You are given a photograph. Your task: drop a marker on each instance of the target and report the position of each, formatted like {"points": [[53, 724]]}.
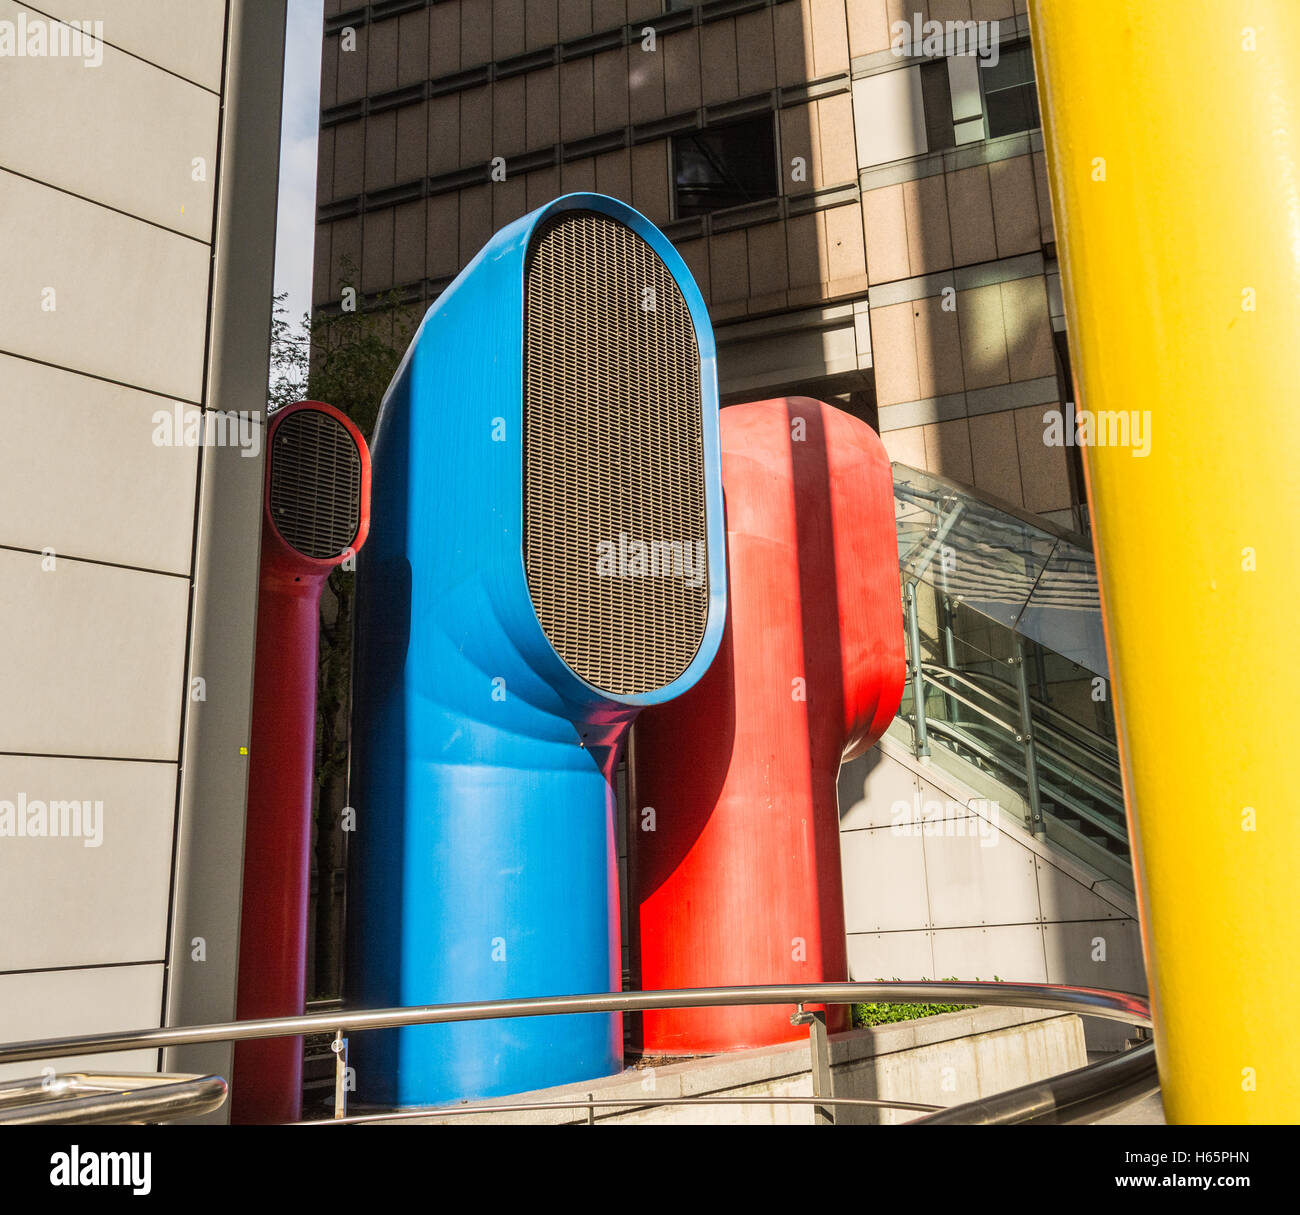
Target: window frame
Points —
{"points": [[774, 167], [1021, 45]]}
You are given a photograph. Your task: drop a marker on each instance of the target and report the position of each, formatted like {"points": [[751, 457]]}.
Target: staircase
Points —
{"points": [[1006, 662]]}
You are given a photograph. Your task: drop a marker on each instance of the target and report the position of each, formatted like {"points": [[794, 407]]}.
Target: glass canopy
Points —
{"points": [[1036, 580]]}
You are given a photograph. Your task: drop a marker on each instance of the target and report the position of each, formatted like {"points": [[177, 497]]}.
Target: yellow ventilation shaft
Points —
{"points": [[1173, 139]]}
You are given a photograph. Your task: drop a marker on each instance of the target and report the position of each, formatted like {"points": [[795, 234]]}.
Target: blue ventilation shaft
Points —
{"points": [[484, 857]]}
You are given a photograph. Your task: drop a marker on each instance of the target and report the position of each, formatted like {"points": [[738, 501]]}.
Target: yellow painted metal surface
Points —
{"points": [[1173, 138]]}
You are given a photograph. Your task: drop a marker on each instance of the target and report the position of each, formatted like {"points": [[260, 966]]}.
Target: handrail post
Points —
{"points": [[1026, 739], [340, 1048], [819, 1052], [922, 741], [949, 651]]}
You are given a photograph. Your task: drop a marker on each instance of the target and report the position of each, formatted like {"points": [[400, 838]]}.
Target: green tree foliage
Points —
{"points": [[887, 1014], [345, 359]]}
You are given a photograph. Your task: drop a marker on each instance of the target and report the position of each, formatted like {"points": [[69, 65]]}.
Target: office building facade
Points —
{"points": [[857, 185]]}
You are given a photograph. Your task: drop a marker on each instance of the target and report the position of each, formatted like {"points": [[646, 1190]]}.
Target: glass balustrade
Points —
{"points": [[1007, 662]]}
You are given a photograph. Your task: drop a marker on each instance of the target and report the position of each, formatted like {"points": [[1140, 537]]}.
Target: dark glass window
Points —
{"points": [[1010, 98], [936, 101], [725, 166]]}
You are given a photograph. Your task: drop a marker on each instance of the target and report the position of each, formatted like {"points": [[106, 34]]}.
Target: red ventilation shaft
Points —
{"points": [[739, 880], [316, 515]]}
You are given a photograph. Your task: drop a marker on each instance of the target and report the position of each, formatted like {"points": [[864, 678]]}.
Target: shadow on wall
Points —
{"points": [[941, 880], [966, 363]]}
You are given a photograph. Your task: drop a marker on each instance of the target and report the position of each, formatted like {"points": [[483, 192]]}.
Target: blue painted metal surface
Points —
{"points": [[484, 859]]}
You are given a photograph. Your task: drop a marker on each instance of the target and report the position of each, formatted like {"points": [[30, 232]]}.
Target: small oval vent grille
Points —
{"points": [[315, 484], [614, 499]]}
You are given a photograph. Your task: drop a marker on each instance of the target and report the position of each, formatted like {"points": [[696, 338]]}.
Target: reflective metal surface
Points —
{"points": [[86, 1098], [1087, 1001], [1080, 1095], [594, 1103]]}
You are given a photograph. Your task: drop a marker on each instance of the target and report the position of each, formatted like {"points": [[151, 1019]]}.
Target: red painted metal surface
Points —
{"points": [[739, 880], [267, 1079]]}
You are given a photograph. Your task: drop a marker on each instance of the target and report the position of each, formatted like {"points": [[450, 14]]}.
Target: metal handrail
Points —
{"points": [[938, 670], [591, 1104], [1054, 763], [1059, 795], [87, 1098], [1105, 749], [970, 704], [1096, 786], [1105, 789], [1114, 1006], [1049, 757], [1063, 798], [1083, 1095], [1089, 1001]]}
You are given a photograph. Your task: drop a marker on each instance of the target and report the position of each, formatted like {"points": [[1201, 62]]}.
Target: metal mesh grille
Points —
{"points": [[614, 526], [315, 484]]}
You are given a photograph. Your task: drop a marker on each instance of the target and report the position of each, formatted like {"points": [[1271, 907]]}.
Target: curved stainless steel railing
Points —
{"points": [[88, 1098], [1083, 1095], [1087, 1092], [591, 1104]]}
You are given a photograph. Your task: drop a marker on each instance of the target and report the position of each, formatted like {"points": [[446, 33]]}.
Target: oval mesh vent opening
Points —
{"points": [[315, 484], [614, 525]]}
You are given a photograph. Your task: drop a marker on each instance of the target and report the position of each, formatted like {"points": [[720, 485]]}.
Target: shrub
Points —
{"points": [[865, 1015]]}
